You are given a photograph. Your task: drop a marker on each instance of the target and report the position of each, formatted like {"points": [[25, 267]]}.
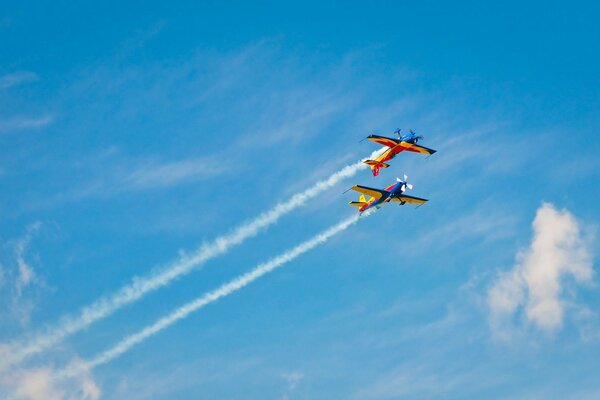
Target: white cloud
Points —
{"points": [[37, 385], [41, 384], [536, 285], [17, 78], [83, 385]]}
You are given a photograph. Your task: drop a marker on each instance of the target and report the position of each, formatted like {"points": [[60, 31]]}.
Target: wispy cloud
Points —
{"points": [[292, 379], [24, 123], [415, 380], [538, 280], [479, 223], [160, 175], [111, 176], [2, 274], [19, 277], [26, 274], [140, 286], [210, 297], [17, 78]]}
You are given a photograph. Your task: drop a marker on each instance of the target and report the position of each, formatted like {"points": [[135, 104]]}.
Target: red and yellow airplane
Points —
{"points": [[404, 142], [394, 192]]}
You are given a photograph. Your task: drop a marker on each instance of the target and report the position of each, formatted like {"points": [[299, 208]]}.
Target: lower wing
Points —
{"points": [[409, 199]]}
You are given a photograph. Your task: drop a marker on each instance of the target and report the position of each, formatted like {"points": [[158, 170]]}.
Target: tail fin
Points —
{"points": [[375, 165], [362, 198]]}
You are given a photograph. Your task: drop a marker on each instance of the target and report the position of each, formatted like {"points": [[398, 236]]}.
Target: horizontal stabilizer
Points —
{"points": [[374, 163], [357, 203]]}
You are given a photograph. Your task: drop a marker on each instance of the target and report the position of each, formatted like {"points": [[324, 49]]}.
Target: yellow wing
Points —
{"points": [[416, 148], [377, 193], [389, 142], [409, 199]]}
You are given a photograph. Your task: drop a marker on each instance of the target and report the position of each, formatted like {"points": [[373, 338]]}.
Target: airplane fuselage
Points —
{"points": [[391, 191], [409, 137], [398, 148]]}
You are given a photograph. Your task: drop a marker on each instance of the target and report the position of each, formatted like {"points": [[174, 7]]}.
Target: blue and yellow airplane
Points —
{"points": [[379, 197], [407, 142]]}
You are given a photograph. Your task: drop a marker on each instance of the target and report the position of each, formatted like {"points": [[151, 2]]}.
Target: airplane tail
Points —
{"points": [[375, 166], [362, 200]]}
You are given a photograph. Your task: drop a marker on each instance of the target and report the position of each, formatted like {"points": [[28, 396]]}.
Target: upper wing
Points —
{"points": [[389, 142], [409, 199], [417, 148], [377, 193]]}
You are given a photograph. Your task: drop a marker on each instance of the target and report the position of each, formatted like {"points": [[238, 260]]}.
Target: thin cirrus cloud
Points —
{"points": [[537, 282], [168, 174], [17, 78], [25, 123], [19, 123], [149, 175]]}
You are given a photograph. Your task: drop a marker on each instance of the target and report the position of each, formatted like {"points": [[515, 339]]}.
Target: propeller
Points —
{"points": [[417, 137], [406, 185]]}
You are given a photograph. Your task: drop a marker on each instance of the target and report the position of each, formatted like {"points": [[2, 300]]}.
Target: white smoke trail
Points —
{"points": [[140, 286], [225, 290]]}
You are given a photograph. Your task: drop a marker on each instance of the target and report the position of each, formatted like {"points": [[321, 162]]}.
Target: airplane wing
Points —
{"points": [[389, 142], [416, 148], [377, 193], [409, 199]]}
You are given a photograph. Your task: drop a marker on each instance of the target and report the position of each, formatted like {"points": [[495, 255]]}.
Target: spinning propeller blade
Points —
{"points": [[406, 185]]}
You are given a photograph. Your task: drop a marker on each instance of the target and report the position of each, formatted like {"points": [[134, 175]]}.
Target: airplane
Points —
{"points": [[394, 192], [407, 141]]}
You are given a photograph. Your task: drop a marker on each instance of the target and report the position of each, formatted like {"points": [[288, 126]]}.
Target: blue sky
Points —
{"points": [[131, 135]]}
